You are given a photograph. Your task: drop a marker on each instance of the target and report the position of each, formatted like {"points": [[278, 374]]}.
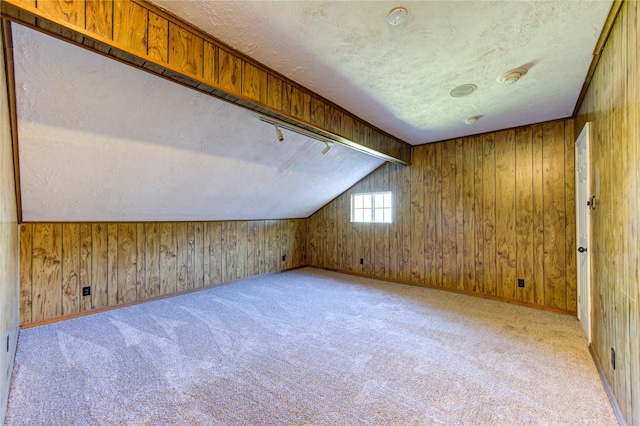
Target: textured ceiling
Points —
{"points": [[399, 78], [102, 141]]}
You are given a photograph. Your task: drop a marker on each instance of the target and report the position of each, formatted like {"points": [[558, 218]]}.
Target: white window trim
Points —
{"points": [[373, 206]]}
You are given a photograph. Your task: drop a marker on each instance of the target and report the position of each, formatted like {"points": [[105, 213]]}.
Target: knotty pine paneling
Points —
{"points": [[612, 105], [471, 215], [132, 262], [142, 34]]}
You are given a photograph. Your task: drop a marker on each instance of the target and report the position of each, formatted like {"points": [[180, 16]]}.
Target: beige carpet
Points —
{"points": [[309, 347]]}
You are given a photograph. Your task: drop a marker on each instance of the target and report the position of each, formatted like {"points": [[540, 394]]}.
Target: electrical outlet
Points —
{"points": [[284, 257], [361, 261], [520, 282], [86, 291], [613, 358]]}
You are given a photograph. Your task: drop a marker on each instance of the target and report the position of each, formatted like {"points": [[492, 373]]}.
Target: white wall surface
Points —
{"points": [[102, 141], [9, 283]]}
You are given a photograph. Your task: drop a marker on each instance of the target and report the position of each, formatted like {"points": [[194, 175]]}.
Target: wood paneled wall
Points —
{"points": [[472, 215], [143, 35], [8, 244], [612, 105], [131, 262]]}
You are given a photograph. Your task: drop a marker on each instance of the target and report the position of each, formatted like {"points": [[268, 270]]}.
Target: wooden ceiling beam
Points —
{"points": [[143, 35]]}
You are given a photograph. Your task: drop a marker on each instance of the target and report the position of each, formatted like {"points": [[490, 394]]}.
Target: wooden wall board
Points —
{"points": [[185, 50], [132, 262], [26, 273], [478, 192], [112, 264], [537, 273], [158, 34], [71, 11], [449, 247], [254, 85], [99, 265], [505, 214], [468, 176], [127, 256], [86, 302], [554, 215], [230, 71], [611, 105], [524, 213], [152, 259], [70, 268], [216, 253], [571, 277], [464, 206], [490, 281], [46, 273], [417, 212], [459, 216], [241, 236], [130, 22], [404, 176], [99, 17], [140, 274]]}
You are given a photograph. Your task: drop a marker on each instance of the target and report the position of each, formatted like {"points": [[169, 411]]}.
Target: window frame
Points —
{"points": [[372, 207]]}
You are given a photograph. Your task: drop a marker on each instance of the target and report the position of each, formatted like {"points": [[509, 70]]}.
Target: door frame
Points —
{"points": [[583, 192]]}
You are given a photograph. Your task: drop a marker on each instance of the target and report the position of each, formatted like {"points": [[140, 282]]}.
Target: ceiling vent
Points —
{"points": [[463, 90]]}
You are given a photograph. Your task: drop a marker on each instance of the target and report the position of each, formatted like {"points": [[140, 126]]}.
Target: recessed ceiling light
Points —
{"points": [[463, 90], [472, 120], [512, 76], [397, 16]]}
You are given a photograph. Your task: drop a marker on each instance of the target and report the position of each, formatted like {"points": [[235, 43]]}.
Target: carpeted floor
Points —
{"points": [[309, 347]]}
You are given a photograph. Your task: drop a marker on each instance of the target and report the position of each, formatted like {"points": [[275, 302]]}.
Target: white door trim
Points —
{"points": [[583, 229]]}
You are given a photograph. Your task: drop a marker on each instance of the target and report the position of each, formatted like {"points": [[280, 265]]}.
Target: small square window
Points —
{"points": [[372, 207]]}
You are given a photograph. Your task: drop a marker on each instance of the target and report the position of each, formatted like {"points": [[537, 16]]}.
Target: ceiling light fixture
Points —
{"points": [[463, 90], [512, 76], [292, 127], [279, 134], [472, 120], [327, 148], [397, 16]]}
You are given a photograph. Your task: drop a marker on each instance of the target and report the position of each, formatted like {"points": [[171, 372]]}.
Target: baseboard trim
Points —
{"points": [[607, 387], [454, 290], [138, 302]]}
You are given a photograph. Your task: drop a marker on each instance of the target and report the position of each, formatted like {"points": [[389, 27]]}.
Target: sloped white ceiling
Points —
{"points": [[399, 77], [101, 141]]}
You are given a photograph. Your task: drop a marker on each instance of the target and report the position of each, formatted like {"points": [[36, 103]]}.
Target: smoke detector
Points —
{"points": [[512, 76], [397, 16]]}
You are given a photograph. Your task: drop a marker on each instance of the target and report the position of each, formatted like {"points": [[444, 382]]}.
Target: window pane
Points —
{"points": [[357, 201], [387, 215], [367, 201], [367, 215], [358, 216], [379, 200], [387, 199], [379, 215]]}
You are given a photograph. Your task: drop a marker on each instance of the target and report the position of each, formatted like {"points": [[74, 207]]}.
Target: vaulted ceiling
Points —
{"points": [[102, 141]]}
